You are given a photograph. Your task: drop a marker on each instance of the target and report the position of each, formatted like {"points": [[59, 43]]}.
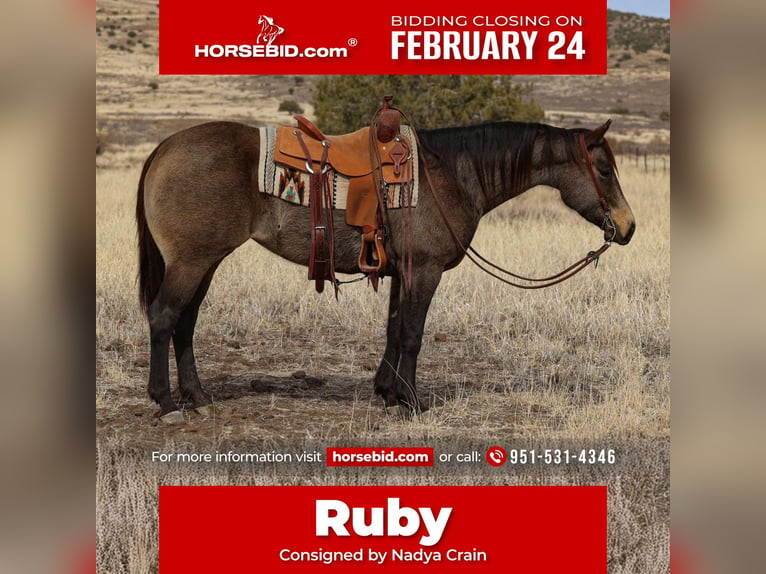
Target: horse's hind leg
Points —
{"points": [[188, 379], [179, 286]]}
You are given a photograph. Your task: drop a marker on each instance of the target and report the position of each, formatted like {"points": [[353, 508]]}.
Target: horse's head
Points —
{"points": [[591, 188]]}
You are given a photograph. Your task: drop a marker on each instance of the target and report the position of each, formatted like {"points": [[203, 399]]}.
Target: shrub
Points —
{"points": [[345, 103], [290, 106]]}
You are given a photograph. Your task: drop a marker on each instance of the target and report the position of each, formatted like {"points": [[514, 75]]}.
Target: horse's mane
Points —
{"points": [[488, 146]]}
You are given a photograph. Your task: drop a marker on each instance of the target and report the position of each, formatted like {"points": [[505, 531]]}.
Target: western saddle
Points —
{"points": [[371, 158]]}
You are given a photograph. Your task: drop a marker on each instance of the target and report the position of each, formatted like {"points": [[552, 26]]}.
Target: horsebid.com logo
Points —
{"points": [[269, 30], [264, 46]]}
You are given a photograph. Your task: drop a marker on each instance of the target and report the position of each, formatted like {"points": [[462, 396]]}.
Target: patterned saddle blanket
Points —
{"points": [[283, 172]]}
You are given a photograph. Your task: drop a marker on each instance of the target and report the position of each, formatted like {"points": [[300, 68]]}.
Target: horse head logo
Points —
{"points": [[269, 30]]}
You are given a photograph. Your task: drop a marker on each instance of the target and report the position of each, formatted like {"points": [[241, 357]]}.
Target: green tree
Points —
{"points": [[346, 103]]}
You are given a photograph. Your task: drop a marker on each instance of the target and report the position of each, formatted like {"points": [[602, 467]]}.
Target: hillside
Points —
{"points": [[637, 34], [635, 93]]}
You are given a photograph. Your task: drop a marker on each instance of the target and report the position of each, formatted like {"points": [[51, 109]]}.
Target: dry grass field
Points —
{"points": [[588, 358]]}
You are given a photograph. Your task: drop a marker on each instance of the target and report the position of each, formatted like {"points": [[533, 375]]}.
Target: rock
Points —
{"points": [[173, 417]]}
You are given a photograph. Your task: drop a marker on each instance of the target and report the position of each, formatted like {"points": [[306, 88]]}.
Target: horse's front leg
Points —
{"points": [[413, 309], [385, 378]]}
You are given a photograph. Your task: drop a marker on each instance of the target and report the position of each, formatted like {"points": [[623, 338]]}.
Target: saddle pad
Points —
{"points": [[292, 185]]}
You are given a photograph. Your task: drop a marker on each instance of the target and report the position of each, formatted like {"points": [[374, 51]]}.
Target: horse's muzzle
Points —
{"points": [[621, 237], [619, 227]]}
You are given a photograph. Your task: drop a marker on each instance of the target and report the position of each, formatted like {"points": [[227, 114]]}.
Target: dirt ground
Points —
{"points": [[280, 397]]}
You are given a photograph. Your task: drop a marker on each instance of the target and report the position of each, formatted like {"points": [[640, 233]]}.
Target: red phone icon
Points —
{"points": [[496, 456]]}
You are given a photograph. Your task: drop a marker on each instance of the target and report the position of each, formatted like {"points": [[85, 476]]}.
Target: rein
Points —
{"points": [[482, 263]]}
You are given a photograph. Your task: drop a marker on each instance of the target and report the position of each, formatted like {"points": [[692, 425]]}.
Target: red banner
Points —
{"points": [[427, 37], [277, 529]]}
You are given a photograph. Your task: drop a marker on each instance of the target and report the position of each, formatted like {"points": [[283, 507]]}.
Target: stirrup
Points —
{"points": [[372, 256]]}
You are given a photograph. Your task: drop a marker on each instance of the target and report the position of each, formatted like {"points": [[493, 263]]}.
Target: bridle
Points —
{"points": [[602, 198], [482, 263]]}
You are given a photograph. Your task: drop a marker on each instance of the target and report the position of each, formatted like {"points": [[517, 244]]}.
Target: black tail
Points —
{"points": [[151, 265]]}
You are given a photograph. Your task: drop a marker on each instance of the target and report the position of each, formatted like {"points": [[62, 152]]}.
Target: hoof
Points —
{"points": [[172, 418], [207, 411]]}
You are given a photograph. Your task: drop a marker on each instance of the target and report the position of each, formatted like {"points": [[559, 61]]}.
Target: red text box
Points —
{"points": [[380, 456], [394, 528], [428, 37]]}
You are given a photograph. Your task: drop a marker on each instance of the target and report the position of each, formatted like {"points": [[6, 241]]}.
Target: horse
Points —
{"points": [[198, 200], [269, 30]]}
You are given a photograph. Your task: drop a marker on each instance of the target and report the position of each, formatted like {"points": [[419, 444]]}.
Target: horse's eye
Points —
{"points": [[605, 173]]}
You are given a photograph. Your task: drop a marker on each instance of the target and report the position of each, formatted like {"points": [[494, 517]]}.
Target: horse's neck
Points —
{"points": [[481, 189], [497, 195]]}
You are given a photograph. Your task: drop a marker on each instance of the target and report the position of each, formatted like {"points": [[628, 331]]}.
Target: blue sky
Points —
{"points": [[657, 8]]}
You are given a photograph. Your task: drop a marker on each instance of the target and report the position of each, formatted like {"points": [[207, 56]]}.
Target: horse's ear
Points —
{"points": [[595, 137]]}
